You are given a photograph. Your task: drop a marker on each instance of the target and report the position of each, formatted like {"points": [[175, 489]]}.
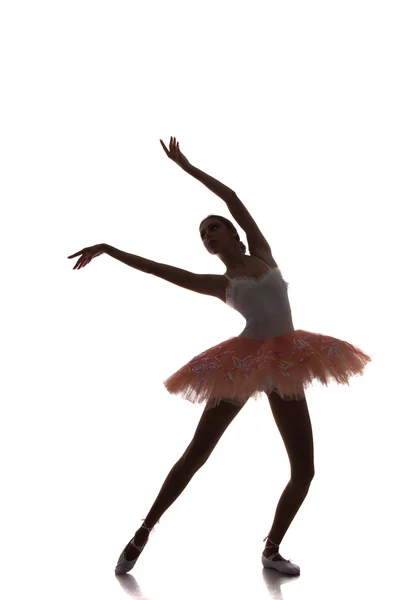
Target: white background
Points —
{"points": [[294, 105]]}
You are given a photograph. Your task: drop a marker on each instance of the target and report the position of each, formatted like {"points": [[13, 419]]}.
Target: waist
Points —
{"points": [[267, 328]]}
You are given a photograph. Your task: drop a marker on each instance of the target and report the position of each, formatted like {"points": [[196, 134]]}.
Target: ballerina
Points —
{"points": [[268, 357]]}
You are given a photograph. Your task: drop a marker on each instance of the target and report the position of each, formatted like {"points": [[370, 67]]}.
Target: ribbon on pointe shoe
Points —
{"points": [[276, 553], [149, 529]]}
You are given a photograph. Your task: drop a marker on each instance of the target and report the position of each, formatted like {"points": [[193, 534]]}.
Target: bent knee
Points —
{"points": [[194, 458], [303, 477]]}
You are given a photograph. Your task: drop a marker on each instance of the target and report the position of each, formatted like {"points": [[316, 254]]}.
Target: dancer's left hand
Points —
{"points": [[87, 254], [175, 154]]}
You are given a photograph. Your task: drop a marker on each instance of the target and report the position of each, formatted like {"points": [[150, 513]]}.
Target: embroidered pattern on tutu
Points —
{"points": [[210, 360], [244, 367]]}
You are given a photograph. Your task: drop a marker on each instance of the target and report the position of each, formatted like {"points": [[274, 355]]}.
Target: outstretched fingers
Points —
{"points": [[165, 148], [173, 146], [82, 261]]}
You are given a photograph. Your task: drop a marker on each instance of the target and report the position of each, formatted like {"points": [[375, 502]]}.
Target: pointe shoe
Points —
{"points": [[283, 566], [124, 565]]}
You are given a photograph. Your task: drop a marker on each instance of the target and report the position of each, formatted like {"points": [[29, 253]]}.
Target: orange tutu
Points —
{"points": [[242, 367]]}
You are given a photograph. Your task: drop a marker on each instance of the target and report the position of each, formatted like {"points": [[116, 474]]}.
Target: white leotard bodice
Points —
{"points": [[264, 303]]}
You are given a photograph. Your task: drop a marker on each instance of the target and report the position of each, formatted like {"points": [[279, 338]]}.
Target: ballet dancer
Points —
{"points": [[268, 357]]}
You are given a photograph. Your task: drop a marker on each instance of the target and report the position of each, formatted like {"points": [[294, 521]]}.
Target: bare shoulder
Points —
{"points": [[265, 254]]}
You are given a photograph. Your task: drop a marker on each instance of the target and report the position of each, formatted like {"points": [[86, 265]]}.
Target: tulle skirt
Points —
{"points": [[242, 367]]}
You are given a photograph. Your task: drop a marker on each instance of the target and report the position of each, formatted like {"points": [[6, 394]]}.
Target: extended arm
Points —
{"points": [[132, 260], [239, 212], [255, 239], [213, 184], [212, 285]]}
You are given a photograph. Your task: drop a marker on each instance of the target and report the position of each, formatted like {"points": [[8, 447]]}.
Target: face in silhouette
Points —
{"points": [[216, 235]]}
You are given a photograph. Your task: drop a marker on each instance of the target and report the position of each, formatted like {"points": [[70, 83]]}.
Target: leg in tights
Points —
{"points": [[211, 426], [293, 421]]}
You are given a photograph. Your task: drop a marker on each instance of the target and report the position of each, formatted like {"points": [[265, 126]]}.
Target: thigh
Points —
{"points": [[293, 421], [210, 428]]}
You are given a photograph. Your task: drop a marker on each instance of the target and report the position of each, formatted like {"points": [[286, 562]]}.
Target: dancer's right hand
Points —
{"points": [[175, 154], [87, 255]]}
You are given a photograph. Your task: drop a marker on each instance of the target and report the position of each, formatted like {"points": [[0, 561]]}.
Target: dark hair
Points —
{"points": [[230, 225]]}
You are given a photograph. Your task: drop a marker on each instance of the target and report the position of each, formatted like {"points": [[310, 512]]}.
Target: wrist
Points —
{"points": [[188, 168]]}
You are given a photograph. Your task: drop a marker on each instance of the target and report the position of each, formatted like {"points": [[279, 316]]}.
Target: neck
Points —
{"points": [[233, 259]]}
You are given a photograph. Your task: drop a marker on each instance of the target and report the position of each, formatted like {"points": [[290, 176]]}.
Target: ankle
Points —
{"points": [[146, 526], [271, 544], [143, 533]]}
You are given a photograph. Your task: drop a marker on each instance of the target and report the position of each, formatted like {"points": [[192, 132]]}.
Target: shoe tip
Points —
{"points": [[122, 569]]}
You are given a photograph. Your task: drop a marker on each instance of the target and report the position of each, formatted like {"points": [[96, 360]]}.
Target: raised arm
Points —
{"points": [[256, 241], [223, 191], [175, 154]]}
